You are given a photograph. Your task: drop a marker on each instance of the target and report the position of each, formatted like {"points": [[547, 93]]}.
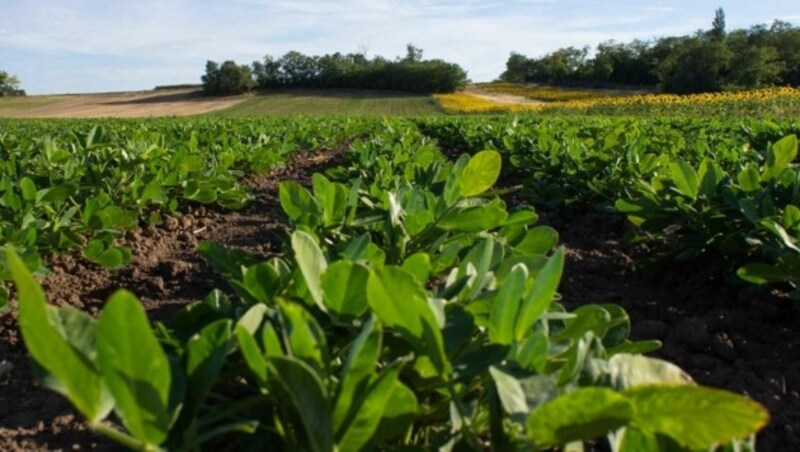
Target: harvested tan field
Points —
{"points": [[182, 102]]}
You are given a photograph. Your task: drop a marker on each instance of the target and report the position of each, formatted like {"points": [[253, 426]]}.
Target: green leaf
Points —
{"points": [[629, 371], [475, 219], [631, 439], [358, 370], [399, 415], [762, 274], [344, 285], [584, 414], [296, 200], [399, 301], [307, 393], [480, 174], [791, 217], [59, 193], [452, 187], [82, 383], [371, 406], [206, 353], [749, 179], [541, 295], [538, 240], [135, 368], [781, 154], [685, 178], [312, 264], [419, 265], [507, 305], [306, 340], [694, 416], [28, 189], [252, 354]]}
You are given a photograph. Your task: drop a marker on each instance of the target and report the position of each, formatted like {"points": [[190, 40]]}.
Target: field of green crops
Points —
{"points": [[334, 102], [412, 298]]}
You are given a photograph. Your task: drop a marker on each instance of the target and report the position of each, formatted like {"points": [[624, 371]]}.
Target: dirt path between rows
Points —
{"points": [[179, 102], [167, 273]]}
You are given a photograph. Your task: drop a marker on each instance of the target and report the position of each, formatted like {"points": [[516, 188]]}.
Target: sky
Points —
{"points": [[74, 46]]}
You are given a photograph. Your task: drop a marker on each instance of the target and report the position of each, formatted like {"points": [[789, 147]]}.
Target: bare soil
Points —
{"points": [[724, 336], [166, 274], [178, 102], [500, 98]]}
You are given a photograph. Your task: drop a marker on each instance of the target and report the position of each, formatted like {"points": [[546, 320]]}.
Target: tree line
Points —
{"points": [[9, 85], [410, 73], [707, 61]]}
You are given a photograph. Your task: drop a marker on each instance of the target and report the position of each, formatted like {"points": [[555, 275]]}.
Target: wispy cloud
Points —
{"points": [[98, 45]]}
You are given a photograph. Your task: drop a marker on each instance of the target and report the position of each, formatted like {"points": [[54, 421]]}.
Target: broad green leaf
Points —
{"points": [[400, 413], [538, 240], [135, 368], [475, 219], [587, 318], [521, 218], [629, 371], [630, 439], [584, 414], [541, 295], [696, 417], [399, 302], [371, 406], [480, 174], [312, 264], [710, 175], [781, 154], [507, 306], [749, 179], [344, 285], [419, 265], [685, 178], [296, 200], [206, 353], [81, 381], [452, 187], [28, 189], [309, 397], [358, 369], [791, 218], [252, 354], [519, 395], [762, 274], [306, 340], [59, 193]]}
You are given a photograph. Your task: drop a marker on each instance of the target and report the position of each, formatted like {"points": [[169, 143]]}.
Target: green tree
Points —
{"points": [[10, 85], [718, 25], [696, 65], [229, 78]]}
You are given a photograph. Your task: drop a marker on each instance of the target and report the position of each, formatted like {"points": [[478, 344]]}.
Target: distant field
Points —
{"points": [[10, 105], [333, 102], [164, 102]]}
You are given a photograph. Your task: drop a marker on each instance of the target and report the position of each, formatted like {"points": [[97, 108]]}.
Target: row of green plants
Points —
{"points": [[72, 185], [723, 191], [412, 307]]}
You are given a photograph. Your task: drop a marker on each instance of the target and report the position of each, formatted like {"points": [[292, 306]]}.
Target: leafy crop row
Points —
{"points": [[411, 307]]}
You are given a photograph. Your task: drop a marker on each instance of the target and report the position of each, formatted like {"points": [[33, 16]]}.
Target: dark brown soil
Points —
{"points": [[166, 273], [724, 336]]}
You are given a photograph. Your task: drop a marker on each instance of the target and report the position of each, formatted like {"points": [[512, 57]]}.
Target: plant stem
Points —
{"points": [[466, 422], [122, 437]]}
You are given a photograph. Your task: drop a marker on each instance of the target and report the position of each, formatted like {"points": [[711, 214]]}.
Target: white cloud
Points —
{"points": [[104, 45]]}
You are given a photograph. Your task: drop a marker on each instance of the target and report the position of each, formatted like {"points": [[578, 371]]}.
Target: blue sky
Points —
{"points": [[60, 46]]}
